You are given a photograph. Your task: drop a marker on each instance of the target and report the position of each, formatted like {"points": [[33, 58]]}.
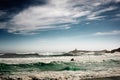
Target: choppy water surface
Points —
{"points": [[84, 62], [82, 58]]}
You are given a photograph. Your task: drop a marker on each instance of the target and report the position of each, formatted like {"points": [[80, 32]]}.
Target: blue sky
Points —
{"points": [[59, 25]]}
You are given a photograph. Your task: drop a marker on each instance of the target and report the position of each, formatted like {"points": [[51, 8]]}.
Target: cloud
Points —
{"points": [[2, 25], [95, 15], [96, 4], [2, 13], [13, 7], [37, 15], [115, 32], [117, 0], [51, 16], [118, 15]]}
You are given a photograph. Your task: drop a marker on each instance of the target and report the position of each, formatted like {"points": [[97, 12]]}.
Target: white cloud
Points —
{"points": [[96, 4], [88, 23], [54, 15], [95, 15], [115, 32], [46, 17]]}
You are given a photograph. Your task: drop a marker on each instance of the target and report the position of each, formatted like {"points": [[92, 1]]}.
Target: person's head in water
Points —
{"points": [[72, 59]]}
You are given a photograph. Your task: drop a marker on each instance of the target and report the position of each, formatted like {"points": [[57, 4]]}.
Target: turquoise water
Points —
{"points": [[59, 66]]}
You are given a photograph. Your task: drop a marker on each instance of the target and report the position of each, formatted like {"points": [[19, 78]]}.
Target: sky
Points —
{"points": [[59, 25]]}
